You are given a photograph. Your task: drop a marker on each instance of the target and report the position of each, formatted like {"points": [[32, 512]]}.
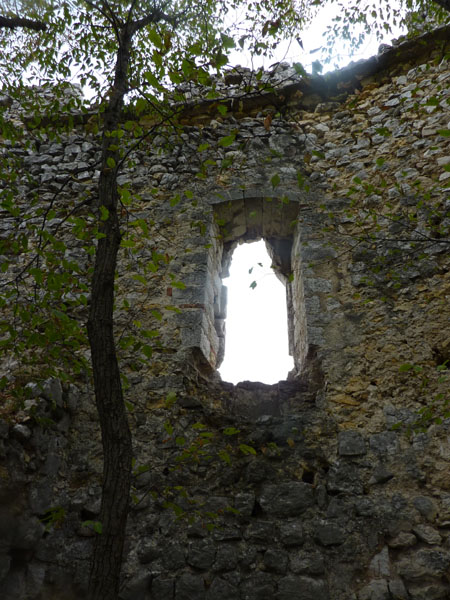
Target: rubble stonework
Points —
{"points": [[318, 487]]}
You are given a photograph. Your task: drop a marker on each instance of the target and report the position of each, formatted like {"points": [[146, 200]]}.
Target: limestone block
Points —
{"points": [[351, 443], [301, 588], [221, 589], [190, 587], [286, 499], [329, 534]]}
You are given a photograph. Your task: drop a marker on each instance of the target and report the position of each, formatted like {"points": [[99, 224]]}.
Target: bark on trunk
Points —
{"points": [[116, 437], [14, 22]]}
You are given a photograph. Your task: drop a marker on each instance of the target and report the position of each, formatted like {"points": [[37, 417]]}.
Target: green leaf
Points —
{"points": [[444, 132], [223, 454], [227, 140], [227, 41], [170, 399], [104, 213], [231, 431], [275, 180], [155, 38], [222, 109], [110, 162], [245, 449], [299, 69]]}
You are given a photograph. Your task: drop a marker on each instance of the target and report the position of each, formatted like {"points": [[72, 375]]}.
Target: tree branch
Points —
{"points": [[156, 16], [13, 22]]}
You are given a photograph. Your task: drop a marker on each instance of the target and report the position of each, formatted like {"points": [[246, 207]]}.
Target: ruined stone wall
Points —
{"points": [[313, 488]]}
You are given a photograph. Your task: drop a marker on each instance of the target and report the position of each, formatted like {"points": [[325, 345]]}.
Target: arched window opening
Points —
{"points": [[257, 347]]}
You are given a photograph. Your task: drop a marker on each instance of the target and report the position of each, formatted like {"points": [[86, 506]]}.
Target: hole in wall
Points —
{"points": [[256, 326]]}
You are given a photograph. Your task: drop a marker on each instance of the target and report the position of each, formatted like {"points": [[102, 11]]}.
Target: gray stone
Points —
{"points": [[291, 533], [424, 562], [260, 532], [344, 478], [173, 556], [429, 591], [248, 557], [375, 590], [384, 443], [301, 588], [380, 565], [403, 540], [329, 534], [21, 432], [137, 588], [380, 475], [426, 507], [258, 587], [276, 560], [227, 558], [162, 589], [308, 563], [351, 443], [148, 551], [286, 499], [244, 503], [397, 590], [222, 590], [427, 534], [190, 587], [201, 555]]}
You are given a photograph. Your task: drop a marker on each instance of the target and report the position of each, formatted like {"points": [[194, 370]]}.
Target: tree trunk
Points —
{"points": [[116, 438], [13, 22]]}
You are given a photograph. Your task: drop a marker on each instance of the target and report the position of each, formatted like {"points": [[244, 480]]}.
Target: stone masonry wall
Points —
{"points": [[320, 487]]}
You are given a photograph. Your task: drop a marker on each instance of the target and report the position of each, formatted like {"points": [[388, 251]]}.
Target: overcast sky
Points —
{"points": [[256, 336]]}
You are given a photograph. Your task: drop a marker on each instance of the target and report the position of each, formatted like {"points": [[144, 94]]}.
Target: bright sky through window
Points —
{"points": [[256, 346]]}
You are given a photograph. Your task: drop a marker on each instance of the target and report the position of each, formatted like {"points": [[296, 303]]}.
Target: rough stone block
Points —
{"points": [[190, 587], [286, 499], [260, 532], [301, 588], [308, 563], [222, 590], [330, 534], [345, 479], [384, 443], [227, 558], [201, 555], [162, 588], [375, 590], [426, 507], [351, 443], [258, 587], [276, 560], [291, 533]]}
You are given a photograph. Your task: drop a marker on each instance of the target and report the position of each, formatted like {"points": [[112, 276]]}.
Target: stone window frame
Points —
{"points": [[289, 225]]}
